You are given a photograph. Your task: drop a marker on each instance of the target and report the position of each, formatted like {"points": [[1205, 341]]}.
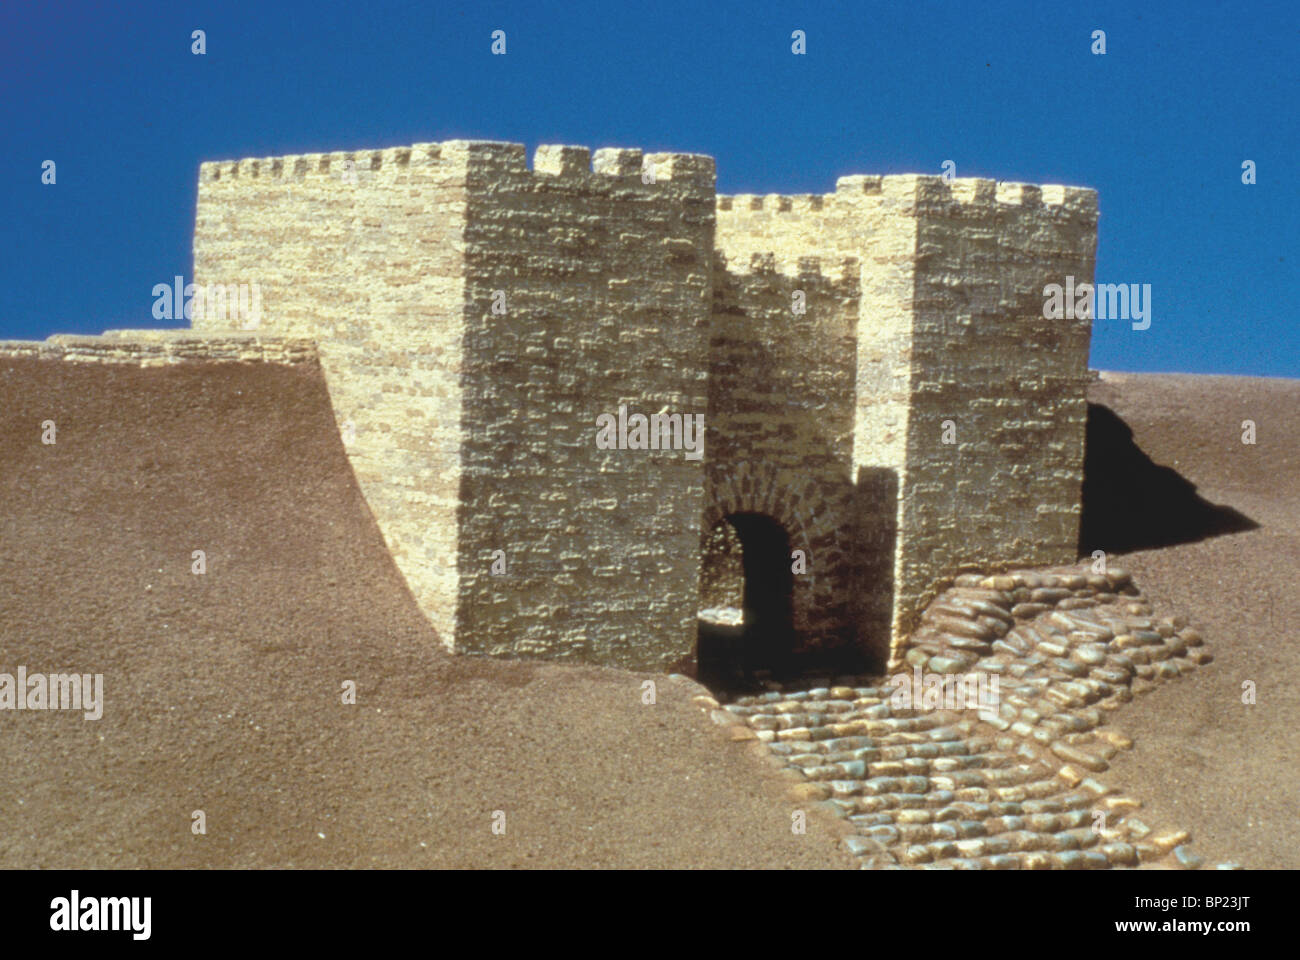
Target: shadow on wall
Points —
{"points": [[1131, 503]]}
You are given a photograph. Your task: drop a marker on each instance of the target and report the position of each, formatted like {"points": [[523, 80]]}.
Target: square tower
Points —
{"points": [[474, 319]]}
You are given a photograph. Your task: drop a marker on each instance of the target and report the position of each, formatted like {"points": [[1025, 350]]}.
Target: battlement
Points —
{"points": [[320, 164], [470, 158], [778, 203], [927, 189], [564, 161], [831, 270]]}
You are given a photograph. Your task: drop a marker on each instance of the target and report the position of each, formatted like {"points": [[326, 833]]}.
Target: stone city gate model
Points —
{"points": [[474, 317]]}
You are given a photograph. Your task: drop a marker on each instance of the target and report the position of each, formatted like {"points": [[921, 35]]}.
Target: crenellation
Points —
{"points": [[617, 162], [484, 158], [973, 190], [860, 185], [560, 161], [322, 164], [843, 271], [691, 168], [1018, 194]]}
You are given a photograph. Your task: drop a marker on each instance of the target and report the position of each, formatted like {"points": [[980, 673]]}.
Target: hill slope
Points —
{"points": [[223, 691], [1203, 760]]}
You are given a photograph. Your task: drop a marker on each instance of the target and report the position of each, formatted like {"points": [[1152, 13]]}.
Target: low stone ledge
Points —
{"points": [[150, 348]]}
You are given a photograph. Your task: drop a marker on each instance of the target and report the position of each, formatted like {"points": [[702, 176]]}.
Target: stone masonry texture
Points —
{"points": [[949, 327], [873, 367]]}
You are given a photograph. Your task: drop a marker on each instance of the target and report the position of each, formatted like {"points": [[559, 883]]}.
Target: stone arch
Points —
{"points": [[811, 520]]}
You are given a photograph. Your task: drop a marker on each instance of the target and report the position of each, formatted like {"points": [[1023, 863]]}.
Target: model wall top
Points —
{"points": [[469, 157], [1078, 202]]}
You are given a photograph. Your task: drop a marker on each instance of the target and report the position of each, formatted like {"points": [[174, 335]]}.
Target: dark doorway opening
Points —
{"points": [[739, 656]]}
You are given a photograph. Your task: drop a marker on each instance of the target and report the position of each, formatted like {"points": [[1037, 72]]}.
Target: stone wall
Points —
{"points": [[864, 219], [588, 289]]}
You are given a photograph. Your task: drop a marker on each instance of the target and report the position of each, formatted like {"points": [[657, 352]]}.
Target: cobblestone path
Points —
{"points": [[1016, 785]]}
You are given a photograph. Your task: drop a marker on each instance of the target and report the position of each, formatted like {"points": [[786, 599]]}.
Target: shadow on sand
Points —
{"points": [[1132, 503]]}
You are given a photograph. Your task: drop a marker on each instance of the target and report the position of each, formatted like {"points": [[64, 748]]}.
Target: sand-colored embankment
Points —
{"points": [[222, 690], [1203, 760]]}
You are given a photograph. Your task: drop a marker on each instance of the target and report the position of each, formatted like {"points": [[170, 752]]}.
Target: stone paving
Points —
{"points": [[1009, 784]]}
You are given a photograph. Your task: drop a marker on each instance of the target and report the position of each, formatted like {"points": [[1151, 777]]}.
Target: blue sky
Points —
{"points": [[1159, 125]]}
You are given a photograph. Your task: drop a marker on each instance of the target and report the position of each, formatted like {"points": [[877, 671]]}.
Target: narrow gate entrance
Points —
{"points": [[748, 593]]}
